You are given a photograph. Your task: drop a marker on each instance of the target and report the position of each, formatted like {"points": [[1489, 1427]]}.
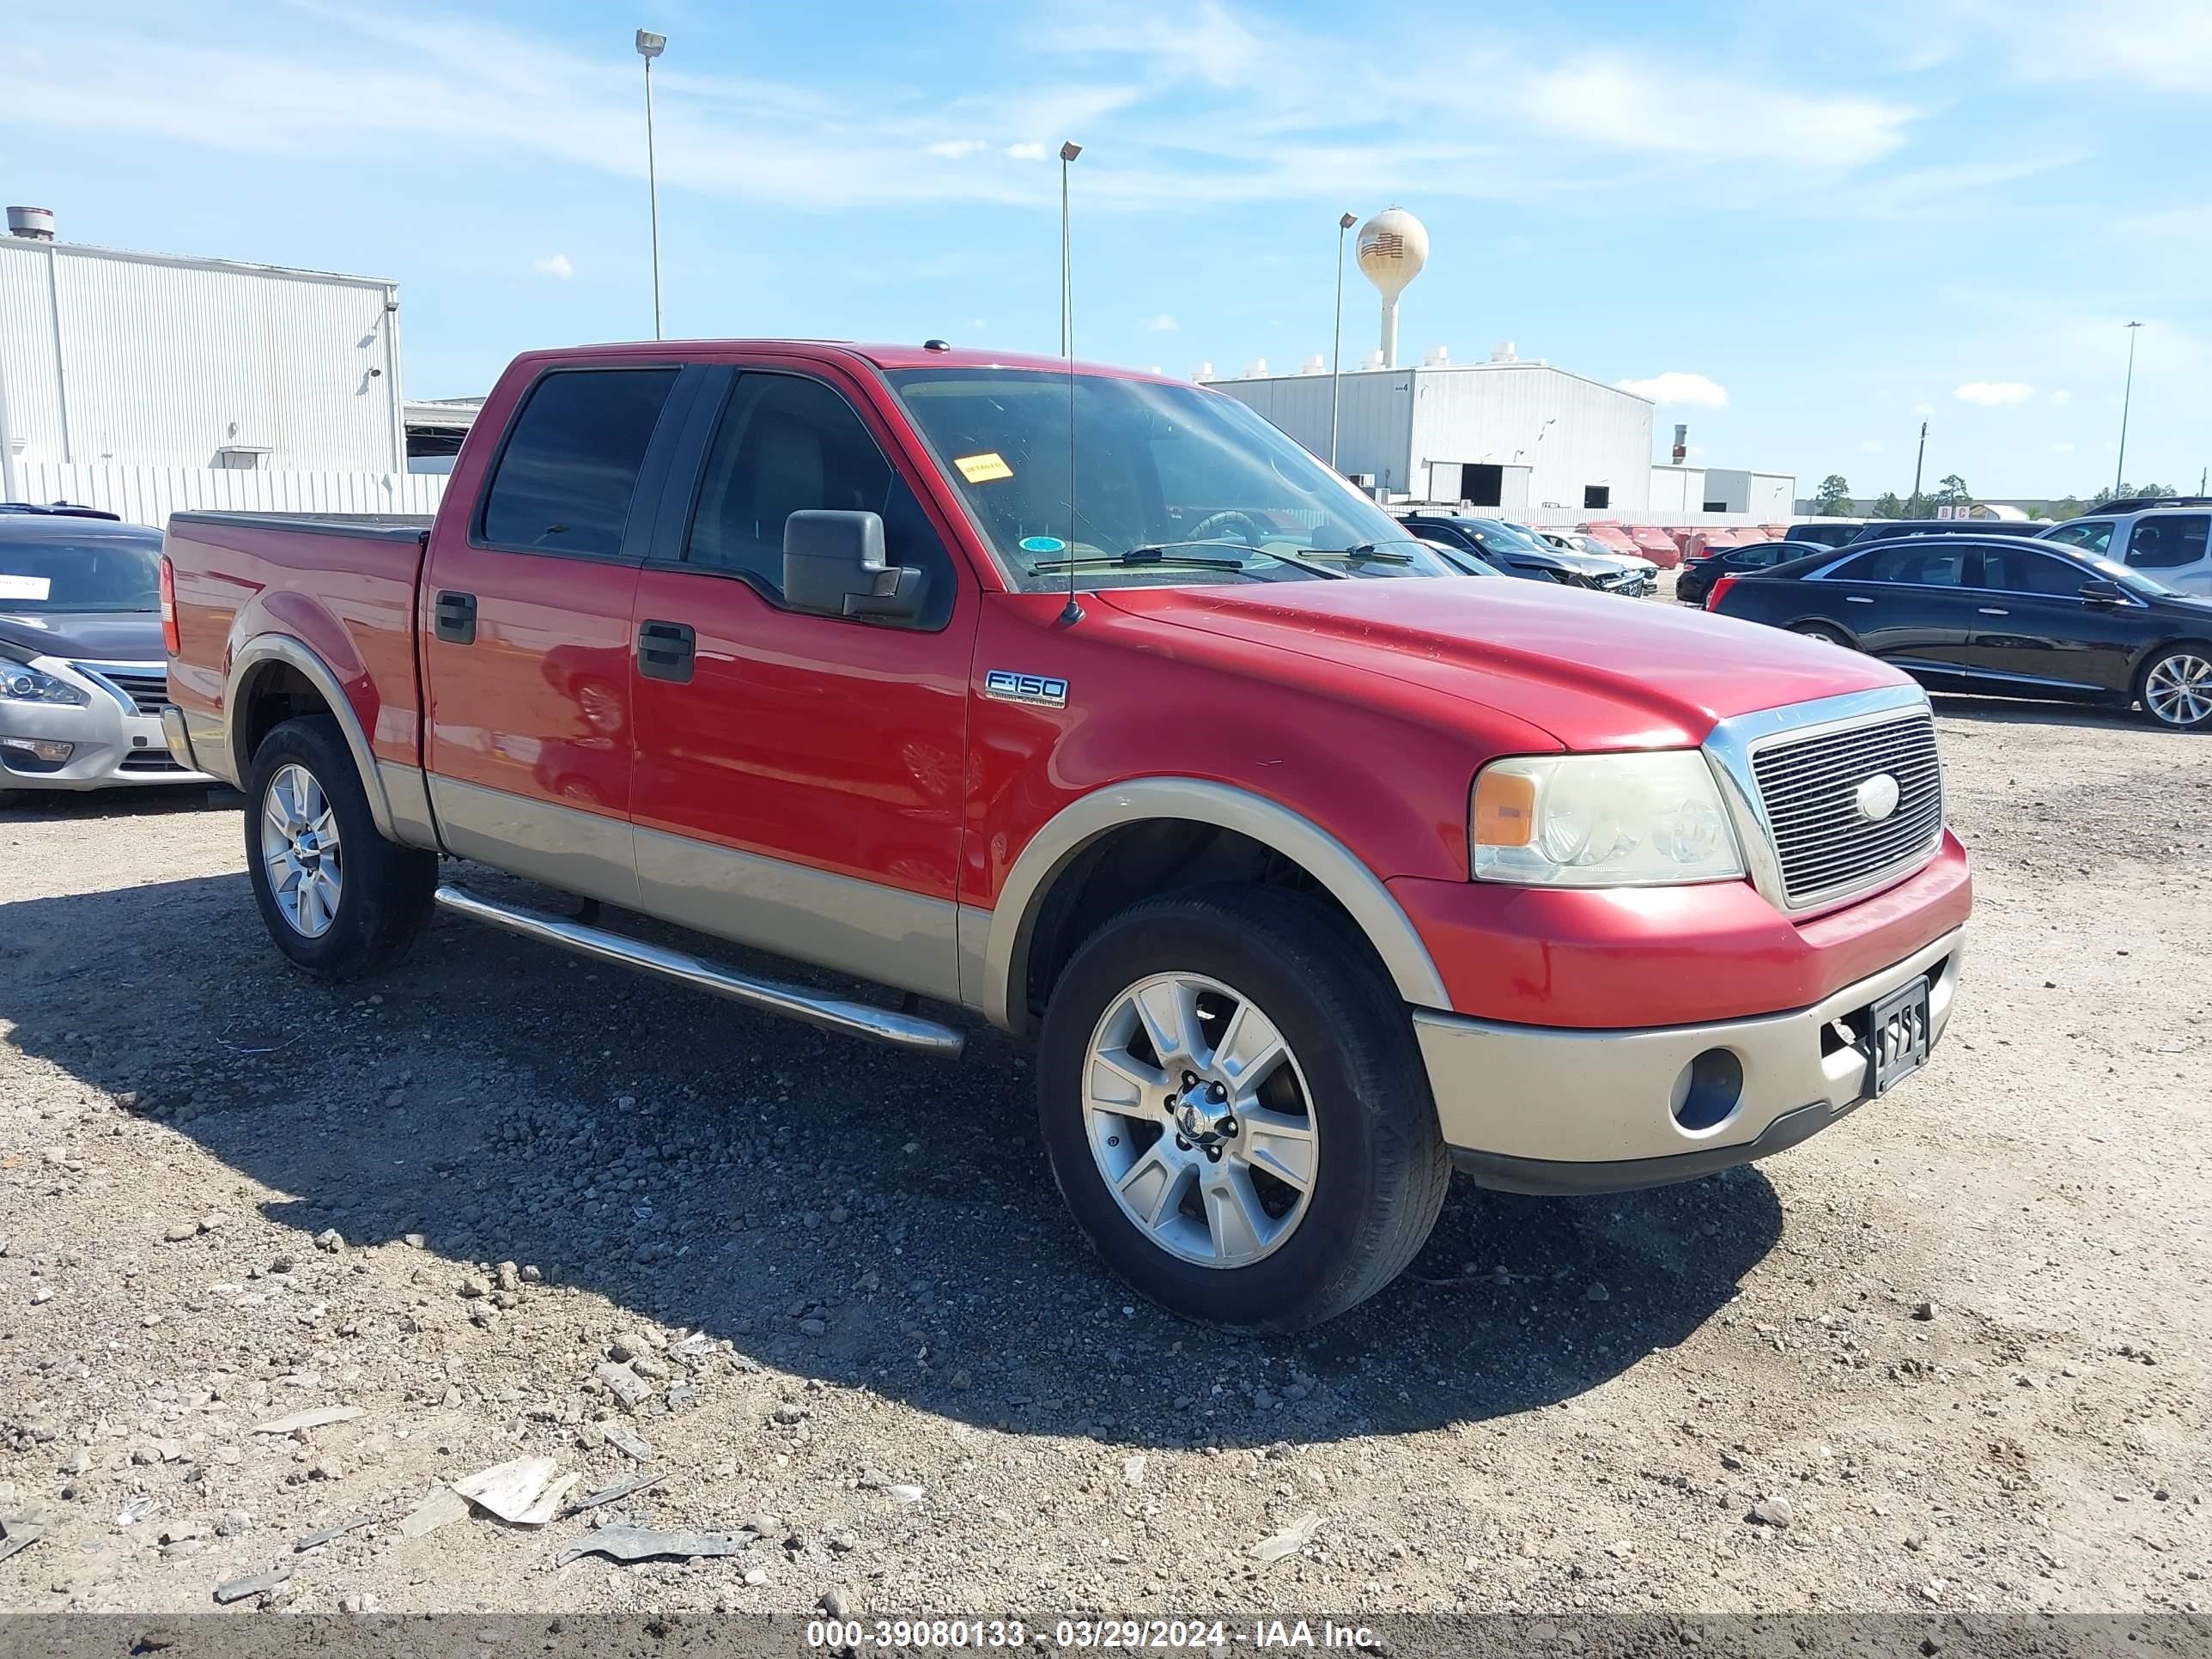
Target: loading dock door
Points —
{"points": [[1481, 484]]}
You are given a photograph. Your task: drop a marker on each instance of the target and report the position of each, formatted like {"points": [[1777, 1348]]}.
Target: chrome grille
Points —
{"points": [[145, 688], [1809, 787]]}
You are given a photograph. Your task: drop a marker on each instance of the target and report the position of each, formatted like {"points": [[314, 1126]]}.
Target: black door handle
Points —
{"points": [[454, 619], [666, 651]]}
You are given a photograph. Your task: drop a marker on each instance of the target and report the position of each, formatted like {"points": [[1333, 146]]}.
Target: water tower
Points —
{"points": [[1394, 245]]}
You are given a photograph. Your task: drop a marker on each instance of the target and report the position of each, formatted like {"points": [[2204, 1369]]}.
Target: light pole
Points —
{"points": [[1917, 459], [650, 46], [2120, 468], [1336, 350]]}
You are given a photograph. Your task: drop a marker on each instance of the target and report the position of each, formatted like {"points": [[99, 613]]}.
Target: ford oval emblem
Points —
{"points": [[1877, 797]]}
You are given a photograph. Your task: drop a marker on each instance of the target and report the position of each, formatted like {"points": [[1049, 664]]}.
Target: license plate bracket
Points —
{"points": [[1898, 1036]]}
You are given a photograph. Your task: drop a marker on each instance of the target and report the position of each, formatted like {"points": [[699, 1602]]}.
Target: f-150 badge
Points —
{"points": [[1042, 689]]}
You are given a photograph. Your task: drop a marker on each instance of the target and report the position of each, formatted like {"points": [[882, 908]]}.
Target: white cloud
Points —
{"points": [[2063, 449], [2061, 397], [2155, 43], [1641, 104], [1992, 393], [1674, 387], [554, 264], [1161, 323], [1192, 103], [1871, 445]]}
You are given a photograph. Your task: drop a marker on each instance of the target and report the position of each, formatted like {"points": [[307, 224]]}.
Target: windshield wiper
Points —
{"points": [[1159, 555], [1361, 553]]}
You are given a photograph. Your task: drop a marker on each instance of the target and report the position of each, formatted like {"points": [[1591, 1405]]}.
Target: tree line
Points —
{"points": [[1833, 500]]}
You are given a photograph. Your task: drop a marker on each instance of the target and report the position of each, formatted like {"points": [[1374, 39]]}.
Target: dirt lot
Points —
{"points": [[1958, 1346]]}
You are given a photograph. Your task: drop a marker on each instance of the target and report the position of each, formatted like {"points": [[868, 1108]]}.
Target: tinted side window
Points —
{"points": [[1919, 566], [565, 480], [786, 445], [2096, 536], [2024, 572], [2168, 541]]}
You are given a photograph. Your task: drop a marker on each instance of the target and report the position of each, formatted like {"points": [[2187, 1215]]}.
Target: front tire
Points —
{"points": [[1236, 1110], [2177, 688], [338, 899]]}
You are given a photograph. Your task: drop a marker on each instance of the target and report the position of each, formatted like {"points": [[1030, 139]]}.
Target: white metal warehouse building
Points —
{"points": [[114, 360], [1510, 434], [1521, 437]]}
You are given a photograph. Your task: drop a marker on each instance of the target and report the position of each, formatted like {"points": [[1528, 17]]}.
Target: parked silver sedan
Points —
{"points": [[83, 673]]}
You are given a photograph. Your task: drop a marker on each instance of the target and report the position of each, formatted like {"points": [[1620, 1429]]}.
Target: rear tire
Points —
{"points": [[338, 899], [1824, 632], [1346, 1110], [2177, 688]]}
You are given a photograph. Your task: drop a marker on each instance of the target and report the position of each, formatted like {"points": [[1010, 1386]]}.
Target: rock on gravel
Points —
{"points": [[1290, 1540]]}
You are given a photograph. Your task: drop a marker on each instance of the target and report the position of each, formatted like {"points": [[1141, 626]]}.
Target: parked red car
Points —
{"points": [[1312, 869]]}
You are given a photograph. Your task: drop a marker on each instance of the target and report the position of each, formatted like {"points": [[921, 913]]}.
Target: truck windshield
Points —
{"points": [[1173, 485], [61, 571]]}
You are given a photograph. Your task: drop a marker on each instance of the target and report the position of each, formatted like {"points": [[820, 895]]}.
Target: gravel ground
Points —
{"points": [[1951, 1355]]}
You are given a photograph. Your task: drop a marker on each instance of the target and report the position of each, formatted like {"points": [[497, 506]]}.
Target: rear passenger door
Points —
{"points": [[526, 634], [800, 777], [1908, 602]]}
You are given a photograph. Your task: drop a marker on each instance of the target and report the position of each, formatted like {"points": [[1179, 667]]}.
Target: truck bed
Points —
{"points": [[341, 585]]}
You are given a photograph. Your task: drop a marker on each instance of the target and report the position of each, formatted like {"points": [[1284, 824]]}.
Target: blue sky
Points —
{"points": [[1813, 226]]}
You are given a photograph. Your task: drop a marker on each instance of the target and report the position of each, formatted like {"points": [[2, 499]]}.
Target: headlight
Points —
{"points": [[22, 684], [1601, 821]]}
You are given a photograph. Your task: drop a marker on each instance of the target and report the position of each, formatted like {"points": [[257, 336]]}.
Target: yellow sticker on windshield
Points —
{"points": [[982, 469]]}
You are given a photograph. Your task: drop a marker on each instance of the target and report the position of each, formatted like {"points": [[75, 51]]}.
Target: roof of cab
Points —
{"points": [[880, 356]]}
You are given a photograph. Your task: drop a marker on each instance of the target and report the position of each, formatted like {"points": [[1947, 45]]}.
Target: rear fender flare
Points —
{"points": [[253, 661]]}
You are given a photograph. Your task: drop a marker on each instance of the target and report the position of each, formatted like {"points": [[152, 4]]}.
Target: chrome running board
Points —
{"points": [[830, 1013]]}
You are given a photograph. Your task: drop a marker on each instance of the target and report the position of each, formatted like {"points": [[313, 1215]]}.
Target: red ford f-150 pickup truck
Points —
{"points": [[1090, 702]]}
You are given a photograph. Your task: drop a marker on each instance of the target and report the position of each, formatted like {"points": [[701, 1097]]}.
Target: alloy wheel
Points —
{"points": [[2178, 689], [300, 851], [1199, 1120]]}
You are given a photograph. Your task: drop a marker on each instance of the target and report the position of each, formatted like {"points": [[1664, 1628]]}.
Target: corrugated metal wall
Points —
{"points": [[1569, 433], [1677, 488], [148, 361], [147, 494], [1374, 415]]}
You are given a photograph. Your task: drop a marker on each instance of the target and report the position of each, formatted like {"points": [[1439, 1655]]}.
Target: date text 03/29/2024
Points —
{"points": [[852, 1635]]}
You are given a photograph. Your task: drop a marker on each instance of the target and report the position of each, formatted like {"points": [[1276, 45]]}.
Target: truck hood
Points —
{"points": [[92, 635], [1595, 671]]}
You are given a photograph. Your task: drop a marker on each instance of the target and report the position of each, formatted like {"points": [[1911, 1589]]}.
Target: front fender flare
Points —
{"points": [[995, 945]]}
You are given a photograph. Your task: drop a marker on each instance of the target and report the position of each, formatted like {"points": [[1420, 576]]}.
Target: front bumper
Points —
{"points": [[112, 744], [1548, 1109]]}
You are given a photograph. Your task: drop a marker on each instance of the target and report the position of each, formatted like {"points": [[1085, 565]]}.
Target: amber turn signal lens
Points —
{"points": [[1504, 809]]}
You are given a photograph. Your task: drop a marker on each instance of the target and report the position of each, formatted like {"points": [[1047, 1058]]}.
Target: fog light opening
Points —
{"points": [[1708, 1089], [34, 755]]}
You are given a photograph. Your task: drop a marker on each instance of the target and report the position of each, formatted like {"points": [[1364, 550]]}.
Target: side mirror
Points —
{"points": [[2098, 591], [833, 565]]}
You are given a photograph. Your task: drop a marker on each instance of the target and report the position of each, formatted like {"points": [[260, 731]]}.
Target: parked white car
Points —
{"points": [[2170, 542]]}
